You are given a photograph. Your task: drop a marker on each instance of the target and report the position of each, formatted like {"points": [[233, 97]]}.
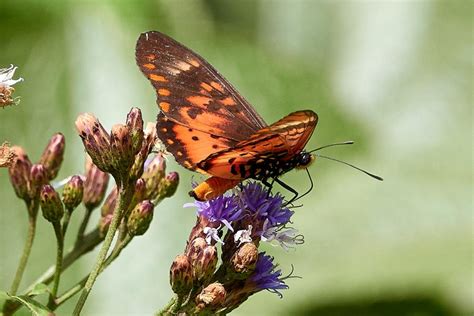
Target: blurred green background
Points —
{"points": [[396, 77]]}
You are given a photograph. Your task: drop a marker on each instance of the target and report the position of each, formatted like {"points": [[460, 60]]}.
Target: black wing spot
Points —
{"points": [[215, 146], [232, 170], [231, 160], [214, 136], [194, 112], [204, 165], [242, 170], [214, 107], [195, 138]]}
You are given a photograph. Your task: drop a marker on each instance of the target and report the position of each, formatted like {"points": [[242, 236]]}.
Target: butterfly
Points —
{"points": [[210, 128]]}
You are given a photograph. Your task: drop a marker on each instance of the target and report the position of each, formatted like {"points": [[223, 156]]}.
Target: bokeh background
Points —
{"points": [[396, 77]]}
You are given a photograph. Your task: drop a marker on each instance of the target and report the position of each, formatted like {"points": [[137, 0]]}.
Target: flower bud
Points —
{"points": [[96, 141], [150, 135], [203, 258], [136, 170], [153, 174], [140, 218], [169, 185], [244, 260], [39, 177], [110, 202], [139, 193], [181, 275], [135, 125], [95, 185], [212, 296], [7, 155], [73, 192], [51, 205], [53, 155], [19, 173], [121, 148]]}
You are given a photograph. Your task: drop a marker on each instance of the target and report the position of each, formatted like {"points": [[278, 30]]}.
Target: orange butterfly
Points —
{"points": [[209, 127]]}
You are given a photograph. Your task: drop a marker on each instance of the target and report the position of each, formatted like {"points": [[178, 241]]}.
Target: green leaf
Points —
{"points": [[39, 289], [36, 308]]}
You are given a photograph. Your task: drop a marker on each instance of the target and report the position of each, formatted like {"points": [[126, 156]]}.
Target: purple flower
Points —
{"points": [[265, 277], [253, 200], [222, 209], [256, 199]]}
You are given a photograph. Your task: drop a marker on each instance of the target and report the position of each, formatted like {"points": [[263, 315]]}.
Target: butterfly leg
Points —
{"points": [[268, 185], [287, 187]]}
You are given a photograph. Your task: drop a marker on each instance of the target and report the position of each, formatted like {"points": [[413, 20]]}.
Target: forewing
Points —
{"points": [[191, 92]]}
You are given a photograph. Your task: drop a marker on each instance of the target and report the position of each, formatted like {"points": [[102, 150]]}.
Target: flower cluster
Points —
{"points": [[141, 182], [28, 178], [125, 153], [238, 222]]}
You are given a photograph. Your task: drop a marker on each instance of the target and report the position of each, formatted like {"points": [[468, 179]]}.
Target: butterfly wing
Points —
{"points": [[192, 93], [294, 130], [188, 145], [280, 141]]}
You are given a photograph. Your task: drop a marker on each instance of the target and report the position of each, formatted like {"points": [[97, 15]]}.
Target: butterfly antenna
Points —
{"points": [[349, 142], [351, 165]]}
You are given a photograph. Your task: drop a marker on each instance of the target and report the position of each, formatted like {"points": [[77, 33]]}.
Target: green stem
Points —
{"points": [[59, 261], [80, 285], [66, 219], [72, 291], [32, 211], [117, 250], [82, 228], [177, 304], [166, 310], [123, 201], [90, 241]]}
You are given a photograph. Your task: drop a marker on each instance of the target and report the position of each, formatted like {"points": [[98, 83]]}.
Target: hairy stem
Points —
{"points": [[59, 261], [72, 291], [67, 217], [90, 241], [32, 211], [121, 207], [82, 228], [80, 285], [166, 310]]}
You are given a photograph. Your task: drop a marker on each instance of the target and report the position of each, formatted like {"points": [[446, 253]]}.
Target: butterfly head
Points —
{"points": [[304, 160]]}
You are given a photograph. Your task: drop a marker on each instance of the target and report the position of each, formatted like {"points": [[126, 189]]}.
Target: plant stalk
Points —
{"points": [[80, 285], [90, 241], [121, 207], [82, 228], [59, 261], [32, 211]]}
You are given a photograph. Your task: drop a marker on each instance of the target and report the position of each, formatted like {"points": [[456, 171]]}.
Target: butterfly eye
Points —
{"points": [[305, 160]]}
